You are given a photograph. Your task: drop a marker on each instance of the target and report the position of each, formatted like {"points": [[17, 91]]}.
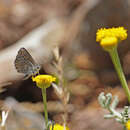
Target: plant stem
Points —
{"points": [[116, 61], [45, 106], [125, 128]]}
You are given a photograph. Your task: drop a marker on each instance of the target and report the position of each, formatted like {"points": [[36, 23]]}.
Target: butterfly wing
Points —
{"points": [[24, 61], [25, 54]]}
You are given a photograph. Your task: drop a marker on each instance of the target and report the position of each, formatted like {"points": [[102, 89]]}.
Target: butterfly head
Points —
{"points": [[36, 69]]}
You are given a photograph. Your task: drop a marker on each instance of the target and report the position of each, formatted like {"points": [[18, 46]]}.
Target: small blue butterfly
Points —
{"points": [[24, 63]]}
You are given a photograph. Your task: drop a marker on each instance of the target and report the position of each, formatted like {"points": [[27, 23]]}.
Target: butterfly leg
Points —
{"points": [[26, 77]]}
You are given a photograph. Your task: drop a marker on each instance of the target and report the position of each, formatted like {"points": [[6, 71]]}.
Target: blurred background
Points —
{"points": [[71, 25]]}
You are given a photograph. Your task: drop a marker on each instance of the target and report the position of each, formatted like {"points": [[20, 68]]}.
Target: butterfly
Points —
{"points": [[24, 63]]}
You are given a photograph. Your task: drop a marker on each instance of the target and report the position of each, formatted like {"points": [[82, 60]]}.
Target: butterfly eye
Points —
{"points": [[38, 67]]}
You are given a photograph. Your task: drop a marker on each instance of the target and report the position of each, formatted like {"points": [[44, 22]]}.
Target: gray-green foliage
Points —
{"points": [[107, 103]]}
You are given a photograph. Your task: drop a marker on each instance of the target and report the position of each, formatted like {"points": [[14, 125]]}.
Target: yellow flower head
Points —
{"points": [[109, 41], [58, 127], [44, 80], [128, 125], [111, 36]]}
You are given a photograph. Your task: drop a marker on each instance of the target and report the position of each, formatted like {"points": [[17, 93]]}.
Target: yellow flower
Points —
{"points": [[120, 33], [44, 80], [58, 127], [109, 41], [128, 125], [109, 38]]}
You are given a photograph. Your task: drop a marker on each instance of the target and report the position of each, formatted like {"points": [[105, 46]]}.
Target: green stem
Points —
{"points": [[125, 128], [45, 106], [116, 61]]}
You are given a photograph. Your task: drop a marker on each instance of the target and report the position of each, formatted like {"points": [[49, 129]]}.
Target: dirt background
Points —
{"points": [[87, 69]]}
